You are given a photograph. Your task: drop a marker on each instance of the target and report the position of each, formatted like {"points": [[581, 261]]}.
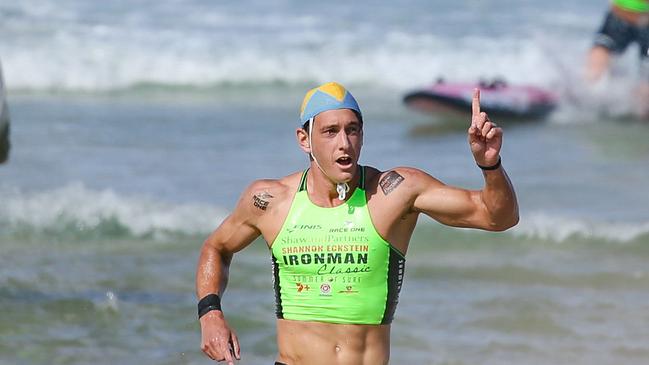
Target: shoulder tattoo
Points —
{"points": [[390, 182], [261, 200]]}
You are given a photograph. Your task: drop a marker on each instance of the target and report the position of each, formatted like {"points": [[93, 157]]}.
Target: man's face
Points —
{"points": [[337, 138]]}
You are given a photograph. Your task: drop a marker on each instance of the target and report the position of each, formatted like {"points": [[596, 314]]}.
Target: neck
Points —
{"points": [[322, 190]]}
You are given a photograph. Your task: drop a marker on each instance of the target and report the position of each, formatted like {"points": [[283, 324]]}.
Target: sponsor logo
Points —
{"points": [[348, 290], [348, 227], [303, 227], [325, 289], [301, 287]]}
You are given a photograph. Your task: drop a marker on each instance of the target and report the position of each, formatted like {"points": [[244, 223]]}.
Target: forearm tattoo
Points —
{"points": [[390, 182], [261, 200]]}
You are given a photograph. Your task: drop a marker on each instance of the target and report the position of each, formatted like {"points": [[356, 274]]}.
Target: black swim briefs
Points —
{"points": [[616, 35]]}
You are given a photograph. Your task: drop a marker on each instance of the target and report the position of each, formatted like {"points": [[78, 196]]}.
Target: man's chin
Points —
{"points": [[345, 173]]}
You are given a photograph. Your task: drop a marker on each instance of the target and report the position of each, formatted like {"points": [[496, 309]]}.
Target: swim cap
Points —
{"points": [[329, 96]]}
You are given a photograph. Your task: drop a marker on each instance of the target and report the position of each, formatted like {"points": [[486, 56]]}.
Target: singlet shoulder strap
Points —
{"points": [[302, 186]]}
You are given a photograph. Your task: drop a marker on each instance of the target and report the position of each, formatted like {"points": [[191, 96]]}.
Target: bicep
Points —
{"points": [[236, 231], [232, 236], [450, 205]]}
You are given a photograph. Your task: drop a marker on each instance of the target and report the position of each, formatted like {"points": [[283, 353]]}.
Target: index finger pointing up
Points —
{"points": [[475, 104]]}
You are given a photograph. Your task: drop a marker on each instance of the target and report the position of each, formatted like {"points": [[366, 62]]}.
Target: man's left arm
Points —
{"points": [[485, 139], [493, 208]]}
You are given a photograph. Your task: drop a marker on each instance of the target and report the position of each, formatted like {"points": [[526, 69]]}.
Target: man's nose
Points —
{"points": [[344, 140]]}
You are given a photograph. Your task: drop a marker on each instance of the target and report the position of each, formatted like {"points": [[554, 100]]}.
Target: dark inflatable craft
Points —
{"points": [[497, 98]]}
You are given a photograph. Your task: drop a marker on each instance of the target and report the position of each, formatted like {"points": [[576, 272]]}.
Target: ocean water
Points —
{"points": [[135, 126]]}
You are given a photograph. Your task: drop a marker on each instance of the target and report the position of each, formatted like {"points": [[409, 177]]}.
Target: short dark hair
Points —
{"points": [[305, 126]]}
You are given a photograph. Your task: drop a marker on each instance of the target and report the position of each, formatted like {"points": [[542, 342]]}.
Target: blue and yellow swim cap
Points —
{"points": [[329, 96]]}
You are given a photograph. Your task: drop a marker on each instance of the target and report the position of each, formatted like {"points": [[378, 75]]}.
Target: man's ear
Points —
{"points": [[303, 140]]}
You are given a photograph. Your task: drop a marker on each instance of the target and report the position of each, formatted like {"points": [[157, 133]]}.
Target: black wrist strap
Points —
{"points": [[493, 167], [208, 303]]}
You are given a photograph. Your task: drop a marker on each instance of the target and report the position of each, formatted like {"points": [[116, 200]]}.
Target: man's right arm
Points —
{"points": [[238, 230]]}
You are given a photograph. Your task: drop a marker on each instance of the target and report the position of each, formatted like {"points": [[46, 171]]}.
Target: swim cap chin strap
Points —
{"points": [[341, 187]]}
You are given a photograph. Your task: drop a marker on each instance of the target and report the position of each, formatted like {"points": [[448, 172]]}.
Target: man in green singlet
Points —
{"points": [[627, 21], [338, 234]]}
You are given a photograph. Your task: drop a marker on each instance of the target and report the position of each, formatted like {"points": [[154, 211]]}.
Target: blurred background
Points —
{"points": [[135, 125]]}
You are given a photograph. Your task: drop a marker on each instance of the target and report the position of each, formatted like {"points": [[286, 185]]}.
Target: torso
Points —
{"points": [[315, 343], [309, 342]]}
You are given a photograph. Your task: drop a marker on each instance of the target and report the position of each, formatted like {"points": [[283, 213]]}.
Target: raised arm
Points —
{"points": [[493, 208], [238, 230]]}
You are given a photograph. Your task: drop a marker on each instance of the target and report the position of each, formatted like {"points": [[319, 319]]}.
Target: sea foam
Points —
{"points": [[77, 207]]}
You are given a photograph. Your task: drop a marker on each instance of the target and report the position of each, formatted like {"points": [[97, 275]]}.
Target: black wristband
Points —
{"points": [[209, 302], [493, 167]]}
